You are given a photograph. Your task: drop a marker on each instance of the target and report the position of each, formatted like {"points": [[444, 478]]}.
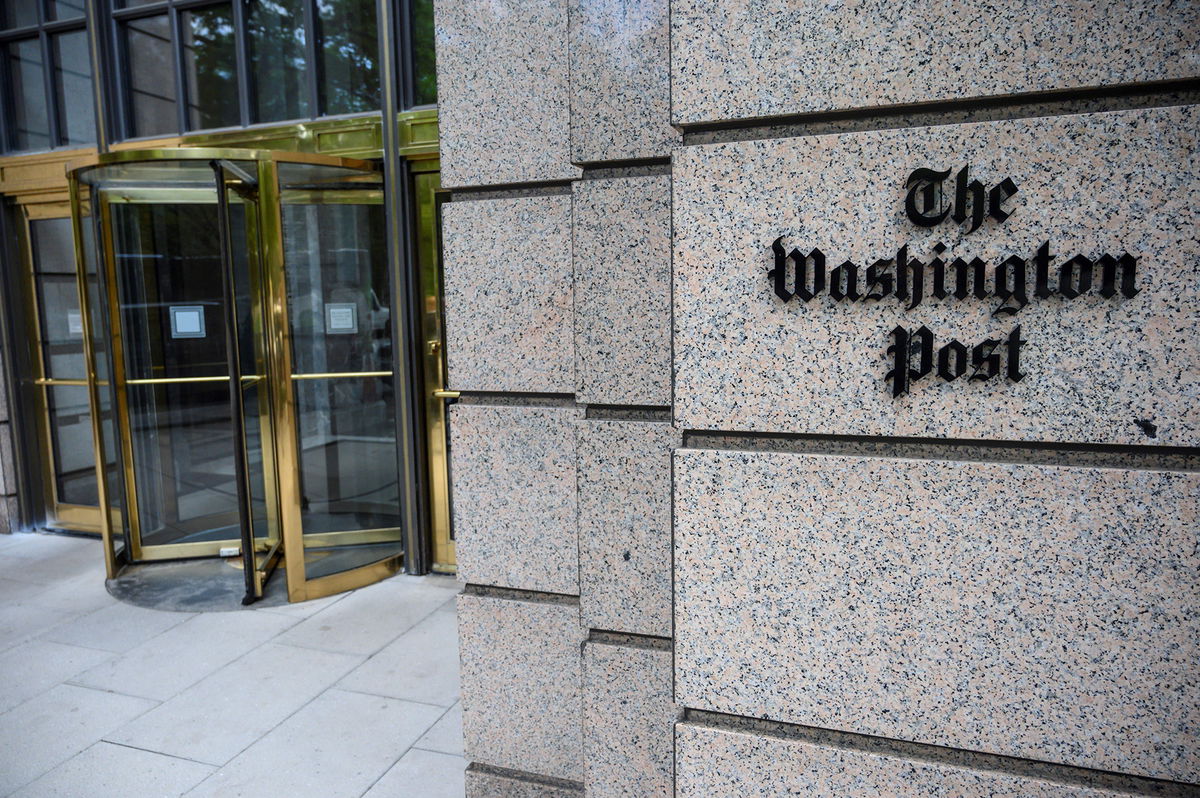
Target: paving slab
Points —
{"points": [[425, 773], [419, 665], [115, 771], [54, 726], [38, 665], [215, 719], [446, 736], [118, 627]]}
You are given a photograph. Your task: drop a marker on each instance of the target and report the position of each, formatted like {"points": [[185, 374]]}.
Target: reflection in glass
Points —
{"points": [[211, 67], [424, 58], [73, 88], [65, 9], [18, 13], [151, 77], [278, 65], [71, 445], [29, 126], [349, 54]]}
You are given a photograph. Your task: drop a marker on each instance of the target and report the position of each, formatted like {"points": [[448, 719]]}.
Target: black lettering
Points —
{"points": [[1013, 359], [938, 267], [950, 370], [924, 199], [903, 268], [779, 274], [1075, 277], [972, 272], [902, 350], [997, 196], [985, 360], [1108, 269], [1010, 286], [1041, 262], [978, 206], [877, 275], [843, 282]]}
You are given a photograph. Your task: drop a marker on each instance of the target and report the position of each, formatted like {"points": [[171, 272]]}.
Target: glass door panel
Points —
{"points": [[340, 327]]}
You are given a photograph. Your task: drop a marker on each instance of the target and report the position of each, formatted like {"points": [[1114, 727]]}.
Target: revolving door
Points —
{"points": [[239, 311]]}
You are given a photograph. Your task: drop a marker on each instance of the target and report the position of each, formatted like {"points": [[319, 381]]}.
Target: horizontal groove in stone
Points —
{"points": [[634, 167], [511, 191], [630, 640], [973, 760], [516, 399], [517, 594], [628, 413], [1154, 458], [950, 112], [521, 775]]}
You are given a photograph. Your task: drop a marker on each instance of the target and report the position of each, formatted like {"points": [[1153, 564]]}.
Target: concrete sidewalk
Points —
{"points": [[350, 695]]}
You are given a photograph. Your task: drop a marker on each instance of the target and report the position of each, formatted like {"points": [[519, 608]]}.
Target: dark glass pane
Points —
{"points": [[348, 53], [278, 66], [151, 74], [71, 442], [338, 299], [58, 299], [30, 125], [135, 3], [65, 9], [18, 13], [73, 88], [424, 60], [211, 67]]}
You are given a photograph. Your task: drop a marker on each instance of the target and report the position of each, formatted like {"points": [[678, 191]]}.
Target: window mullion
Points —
{"points": [[48, 85], [310, 53], [243, 61], [181, 98]]}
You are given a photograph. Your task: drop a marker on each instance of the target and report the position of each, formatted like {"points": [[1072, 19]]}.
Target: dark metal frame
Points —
{"points": [[44, 31]]}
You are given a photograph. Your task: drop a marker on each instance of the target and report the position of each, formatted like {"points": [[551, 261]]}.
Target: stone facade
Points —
{"points": [[830, 395]]}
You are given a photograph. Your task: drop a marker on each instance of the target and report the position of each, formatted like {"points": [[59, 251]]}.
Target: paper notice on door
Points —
{"points": [[341, 318], [75, 323]]}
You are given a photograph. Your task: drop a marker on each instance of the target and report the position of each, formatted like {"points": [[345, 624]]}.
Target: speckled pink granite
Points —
{"points": [[744, 59], [1042, 612], [1094, 183], [622, 246], [508, 295], [512, 472], [628, 721], [521, 685], [718, 763]]}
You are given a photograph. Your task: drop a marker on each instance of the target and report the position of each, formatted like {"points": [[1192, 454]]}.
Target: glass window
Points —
{"points": [[278, 64], [65, 9], [73, 88], [18, 13], [424, 61], [30, 124], [209, 56], [151, 76], [349, 56]]}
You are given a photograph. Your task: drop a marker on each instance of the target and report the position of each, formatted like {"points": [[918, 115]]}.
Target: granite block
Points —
{"points": [[1043, 612], [1093, 369], [622, 234], [620, 80], [512, 473], [720, 763], [628, 721], [508, 295], [625, 525], [748, 59], [521, 685], [503, 91], [488, 784]]}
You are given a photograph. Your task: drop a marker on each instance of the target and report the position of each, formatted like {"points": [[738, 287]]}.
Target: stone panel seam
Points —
{"points": [[1095, 455], [510, 191], [508, 399], [630, 167], [521, 775], [628, 413], [949, 112], [972, 760], [630, 640], [516, 594]]}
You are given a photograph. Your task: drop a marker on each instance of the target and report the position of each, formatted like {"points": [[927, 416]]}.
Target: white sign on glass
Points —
{"points": [[341, 318], [187, 321]]}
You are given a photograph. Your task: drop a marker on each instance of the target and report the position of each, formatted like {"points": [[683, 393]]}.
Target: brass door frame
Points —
{"points": [[280, 431], [60, 514]]}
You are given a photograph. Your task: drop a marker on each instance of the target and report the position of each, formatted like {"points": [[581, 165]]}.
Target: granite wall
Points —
{"points": [[830, 395]]}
